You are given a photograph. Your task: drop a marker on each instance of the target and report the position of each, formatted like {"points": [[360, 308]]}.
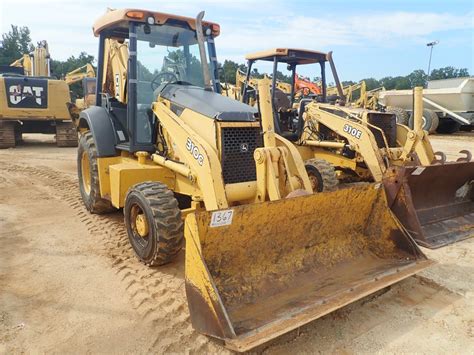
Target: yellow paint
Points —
{"points": [[118, 174], [246, 266], [124, 175], [104, 174], [195, 267], [58, 96], [141, 223], [86, 172]]}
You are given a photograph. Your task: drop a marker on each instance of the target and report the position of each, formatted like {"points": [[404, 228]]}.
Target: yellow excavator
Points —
{"points": [[78, 74], [33, 102], [263, 255], [86, 75], [36, 63], [434, 199]]}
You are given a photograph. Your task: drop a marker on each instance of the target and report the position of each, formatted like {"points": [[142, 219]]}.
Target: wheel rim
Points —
{"points": [[314, 182], [139, 226], [142, 225], [86, 172]]}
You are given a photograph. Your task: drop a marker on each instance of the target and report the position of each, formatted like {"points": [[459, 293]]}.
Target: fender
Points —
{"points": [[98, 121]]}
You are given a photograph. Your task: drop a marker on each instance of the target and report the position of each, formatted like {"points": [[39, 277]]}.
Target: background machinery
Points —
{"points": [[33, 102], [78, 74], [305, 84], [263, 255], [85, 75], [449, 104], [432, 198]]}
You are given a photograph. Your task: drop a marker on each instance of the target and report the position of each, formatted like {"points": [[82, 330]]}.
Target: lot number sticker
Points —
{"points": [[222, 218]]}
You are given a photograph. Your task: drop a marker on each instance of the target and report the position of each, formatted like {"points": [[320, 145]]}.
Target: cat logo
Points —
{"points": [[26, 92], [19, 93]]}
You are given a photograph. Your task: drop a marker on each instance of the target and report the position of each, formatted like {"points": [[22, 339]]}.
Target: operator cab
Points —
{"points": [[140, 54], [89, 87], [289, 105], [7, 70]]}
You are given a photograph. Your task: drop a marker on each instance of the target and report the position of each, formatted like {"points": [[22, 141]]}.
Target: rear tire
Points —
{"points": [[448, 126], [88, 174], [154, 225], [400, 114], [430, 120], [322, 175], [7, 134]]}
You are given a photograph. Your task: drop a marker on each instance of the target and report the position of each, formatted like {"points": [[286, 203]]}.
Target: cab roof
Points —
{"points": [[117, 21], [289, 55]]}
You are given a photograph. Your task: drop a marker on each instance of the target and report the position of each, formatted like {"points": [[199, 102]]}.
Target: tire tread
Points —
{"points": [[167, 220]]}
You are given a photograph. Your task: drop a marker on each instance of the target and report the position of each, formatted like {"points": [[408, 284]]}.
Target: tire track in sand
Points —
{"points": [[156, 293]]}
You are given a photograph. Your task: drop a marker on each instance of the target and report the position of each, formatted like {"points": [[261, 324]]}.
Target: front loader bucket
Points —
{"points": [[435, 203], [257, 271]]}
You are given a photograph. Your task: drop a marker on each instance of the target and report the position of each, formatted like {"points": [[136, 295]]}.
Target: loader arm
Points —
{"points": [[278, 157], [197, 154], [358, 135], [413, 143]]}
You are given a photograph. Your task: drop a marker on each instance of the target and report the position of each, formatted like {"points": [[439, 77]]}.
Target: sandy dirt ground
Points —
{"points": [[69, 282]]}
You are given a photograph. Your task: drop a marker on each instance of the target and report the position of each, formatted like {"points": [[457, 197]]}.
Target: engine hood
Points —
{"points": [[208, 103]]}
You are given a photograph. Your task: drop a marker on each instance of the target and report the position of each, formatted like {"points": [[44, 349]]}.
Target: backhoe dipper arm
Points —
{"points": [[78, 74]]}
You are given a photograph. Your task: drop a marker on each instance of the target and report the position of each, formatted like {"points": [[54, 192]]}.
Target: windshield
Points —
{"points": [[166, 54], [307, 79]]}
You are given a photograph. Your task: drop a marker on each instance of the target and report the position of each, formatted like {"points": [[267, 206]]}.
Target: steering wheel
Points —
{"points": [[161, 78]]}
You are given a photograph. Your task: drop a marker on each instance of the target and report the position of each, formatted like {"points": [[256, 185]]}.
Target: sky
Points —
{"points": [[368, 38]]}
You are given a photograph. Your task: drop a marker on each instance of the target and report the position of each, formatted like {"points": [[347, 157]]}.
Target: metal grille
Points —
{"points": [[388, 124], [238, 145]]}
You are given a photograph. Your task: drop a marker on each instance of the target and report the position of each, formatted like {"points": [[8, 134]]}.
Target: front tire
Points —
{"points": [[154, 225], [88, 174], [322, 175]]}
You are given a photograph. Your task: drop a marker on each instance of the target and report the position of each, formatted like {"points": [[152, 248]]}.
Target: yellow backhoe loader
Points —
{"points": [[358, 96], [86, 75], [433, 199], [36, 63], [234, 91], [33, 102], [263, 254]]}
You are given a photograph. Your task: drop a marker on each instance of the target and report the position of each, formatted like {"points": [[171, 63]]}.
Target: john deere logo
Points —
{"points": [[244, 147]]}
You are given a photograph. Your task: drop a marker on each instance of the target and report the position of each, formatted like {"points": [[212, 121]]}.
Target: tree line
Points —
{"points": [[17, 42], [415, 78]]}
